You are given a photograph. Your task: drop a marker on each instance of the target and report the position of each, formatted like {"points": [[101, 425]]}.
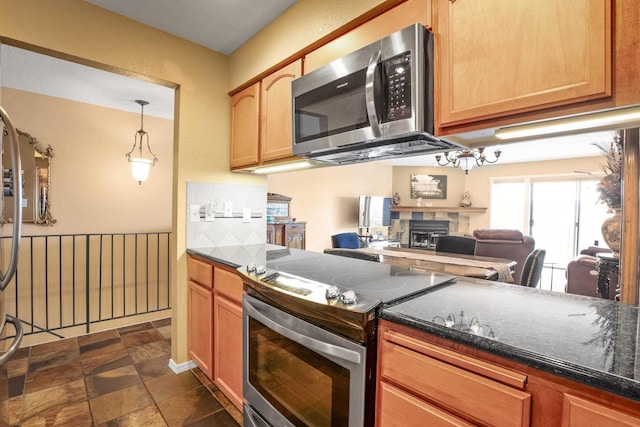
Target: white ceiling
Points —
{"points": [[222, 25]]}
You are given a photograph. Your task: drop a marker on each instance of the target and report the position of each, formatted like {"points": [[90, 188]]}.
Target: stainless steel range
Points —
{"points": [[309, 336]]}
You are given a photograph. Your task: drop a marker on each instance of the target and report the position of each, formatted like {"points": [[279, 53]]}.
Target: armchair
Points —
{"points": [[582, 278], [509, 244]]}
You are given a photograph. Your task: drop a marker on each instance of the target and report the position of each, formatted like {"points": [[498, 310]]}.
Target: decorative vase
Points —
{"points": [[466, 200], [611, 231]]}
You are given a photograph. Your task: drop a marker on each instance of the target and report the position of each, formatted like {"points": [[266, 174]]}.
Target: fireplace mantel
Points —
{"points": [[456, 209]]}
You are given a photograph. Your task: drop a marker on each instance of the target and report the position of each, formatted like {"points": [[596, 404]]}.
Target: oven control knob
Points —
{"points": [[332, 292], [348, 297], [260, 269]]}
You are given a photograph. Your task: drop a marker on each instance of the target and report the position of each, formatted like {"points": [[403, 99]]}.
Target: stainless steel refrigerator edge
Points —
{"points": [[9, 343]]}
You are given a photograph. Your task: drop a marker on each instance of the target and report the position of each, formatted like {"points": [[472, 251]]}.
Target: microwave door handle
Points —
{"points": [[5, 277], [369, 94]]}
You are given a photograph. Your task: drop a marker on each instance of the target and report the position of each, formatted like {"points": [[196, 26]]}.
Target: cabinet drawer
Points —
{"points": [[294, 227], [403, 410], [200, 272], [457, 390], [228, 284]]}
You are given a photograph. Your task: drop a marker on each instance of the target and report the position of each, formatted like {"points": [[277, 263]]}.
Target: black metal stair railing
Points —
{"points": [[76, 280]]}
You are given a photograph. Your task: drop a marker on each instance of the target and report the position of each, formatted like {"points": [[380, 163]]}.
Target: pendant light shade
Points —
{"points": [[140, 165]]}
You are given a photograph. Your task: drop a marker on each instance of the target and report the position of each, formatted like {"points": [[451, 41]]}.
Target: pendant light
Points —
{"points": [[139, 165]]}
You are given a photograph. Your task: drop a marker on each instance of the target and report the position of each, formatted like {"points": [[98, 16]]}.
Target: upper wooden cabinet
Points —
{"points": [[261, 119], [399, 17], [275, 112], [501, 57], [245, 109]]}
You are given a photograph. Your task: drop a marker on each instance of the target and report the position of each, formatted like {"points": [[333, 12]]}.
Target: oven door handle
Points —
{"points": [[253, 309], [16, 341]]}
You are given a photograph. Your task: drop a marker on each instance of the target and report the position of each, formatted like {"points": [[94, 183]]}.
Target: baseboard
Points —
{"points": [[182, 367]]}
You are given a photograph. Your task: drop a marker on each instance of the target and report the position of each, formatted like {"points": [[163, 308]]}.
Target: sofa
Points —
{"points": [[503, 243], [582, 277]]}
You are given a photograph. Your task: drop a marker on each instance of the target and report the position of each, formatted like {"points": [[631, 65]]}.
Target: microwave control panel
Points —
{"points": [[397, 71]]}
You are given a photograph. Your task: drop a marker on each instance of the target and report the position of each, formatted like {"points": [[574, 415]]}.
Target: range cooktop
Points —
{"points": [[338, 293], [369, 279]]}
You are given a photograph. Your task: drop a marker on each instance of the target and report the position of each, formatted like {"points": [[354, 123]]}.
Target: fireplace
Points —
{"points": [[423, 234]]}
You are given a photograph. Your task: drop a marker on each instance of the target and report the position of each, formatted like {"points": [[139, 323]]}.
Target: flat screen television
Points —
{"points": [[374, 211]]}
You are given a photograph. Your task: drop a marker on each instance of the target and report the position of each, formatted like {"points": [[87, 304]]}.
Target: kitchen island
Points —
{"points": [[577, 340]]}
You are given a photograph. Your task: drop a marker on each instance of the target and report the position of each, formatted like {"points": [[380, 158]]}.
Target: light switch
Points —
{"points": [[246, 214], [228, 209], [194, 213]]}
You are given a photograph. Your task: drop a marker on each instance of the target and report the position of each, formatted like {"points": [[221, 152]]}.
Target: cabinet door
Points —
{"points": [[578, 412], [389, 22], [227, 341], [279, 232], [275, 112], [200, 326], [271, 234], [228, 348], [295, 236], [244, 126], [499, 57]]}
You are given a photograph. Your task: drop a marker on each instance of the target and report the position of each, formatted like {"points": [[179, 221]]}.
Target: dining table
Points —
{"points": [[482, 267]]}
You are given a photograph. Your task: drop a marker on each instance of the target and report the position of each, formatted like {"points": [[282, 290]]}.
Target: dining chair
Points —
{"points": [[532, 269], [346, 241], [456, 245]]}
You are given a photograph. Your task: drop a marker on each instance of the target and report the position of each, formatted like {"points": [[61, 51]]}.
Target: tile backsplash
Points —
{"points": [[229, 214]]}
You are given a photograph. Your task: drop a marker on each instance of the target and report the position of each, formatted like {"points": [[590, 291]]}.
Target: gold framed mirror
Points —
{"points": [[36, 175]]}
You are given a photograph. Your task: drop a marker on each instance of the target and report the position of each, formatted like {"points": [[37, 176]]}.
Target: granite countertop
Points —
{"points": [[235, 256], [590, 340]]}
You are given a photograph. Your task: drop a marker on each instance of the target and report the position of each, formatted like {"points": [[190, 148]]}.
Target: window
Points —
{"points": [[562, 215]]}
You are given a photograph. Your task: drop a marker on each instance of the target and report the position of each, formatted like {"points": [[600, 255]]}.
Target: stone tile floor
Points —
{"points": [[114, 378]]}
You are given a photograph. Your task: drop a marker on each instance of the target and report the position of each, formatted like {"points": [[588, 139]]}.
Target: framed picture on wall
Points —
{"points": [[428, 186]]}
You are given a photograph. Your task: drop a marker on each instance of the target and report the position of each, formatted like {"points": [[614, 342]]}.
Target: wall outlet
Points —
{"points": [[228, 209], [246, 214], [210, 212], [194, 213]]}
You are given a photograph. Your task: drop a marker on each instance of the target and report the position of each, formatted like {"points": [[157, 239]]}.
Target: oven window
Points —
{"points": [[305, 387]]}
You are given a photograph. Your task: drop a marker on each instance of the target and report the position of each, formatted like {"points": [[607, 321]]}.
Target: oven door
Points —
{"points": [[297, 374]]}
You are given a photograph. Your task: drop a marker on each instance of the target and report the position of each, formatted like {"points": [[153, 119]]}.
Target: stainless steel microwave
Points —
{"points": [[374, 103]]}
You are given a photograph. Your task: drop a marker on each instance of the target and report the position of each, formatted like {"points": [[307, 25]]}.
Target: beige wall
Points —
{"points": [[327, 198], [92, 189], [299, 26], [201, 128]]}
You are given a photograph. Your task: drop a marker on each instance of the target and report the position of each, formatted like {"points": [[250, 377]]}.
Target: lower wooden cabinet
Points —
{"points": [[447, 387], [227, 334], [215, 324], [579, 412], [200, 326], [427, 380], [200, 313]]}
